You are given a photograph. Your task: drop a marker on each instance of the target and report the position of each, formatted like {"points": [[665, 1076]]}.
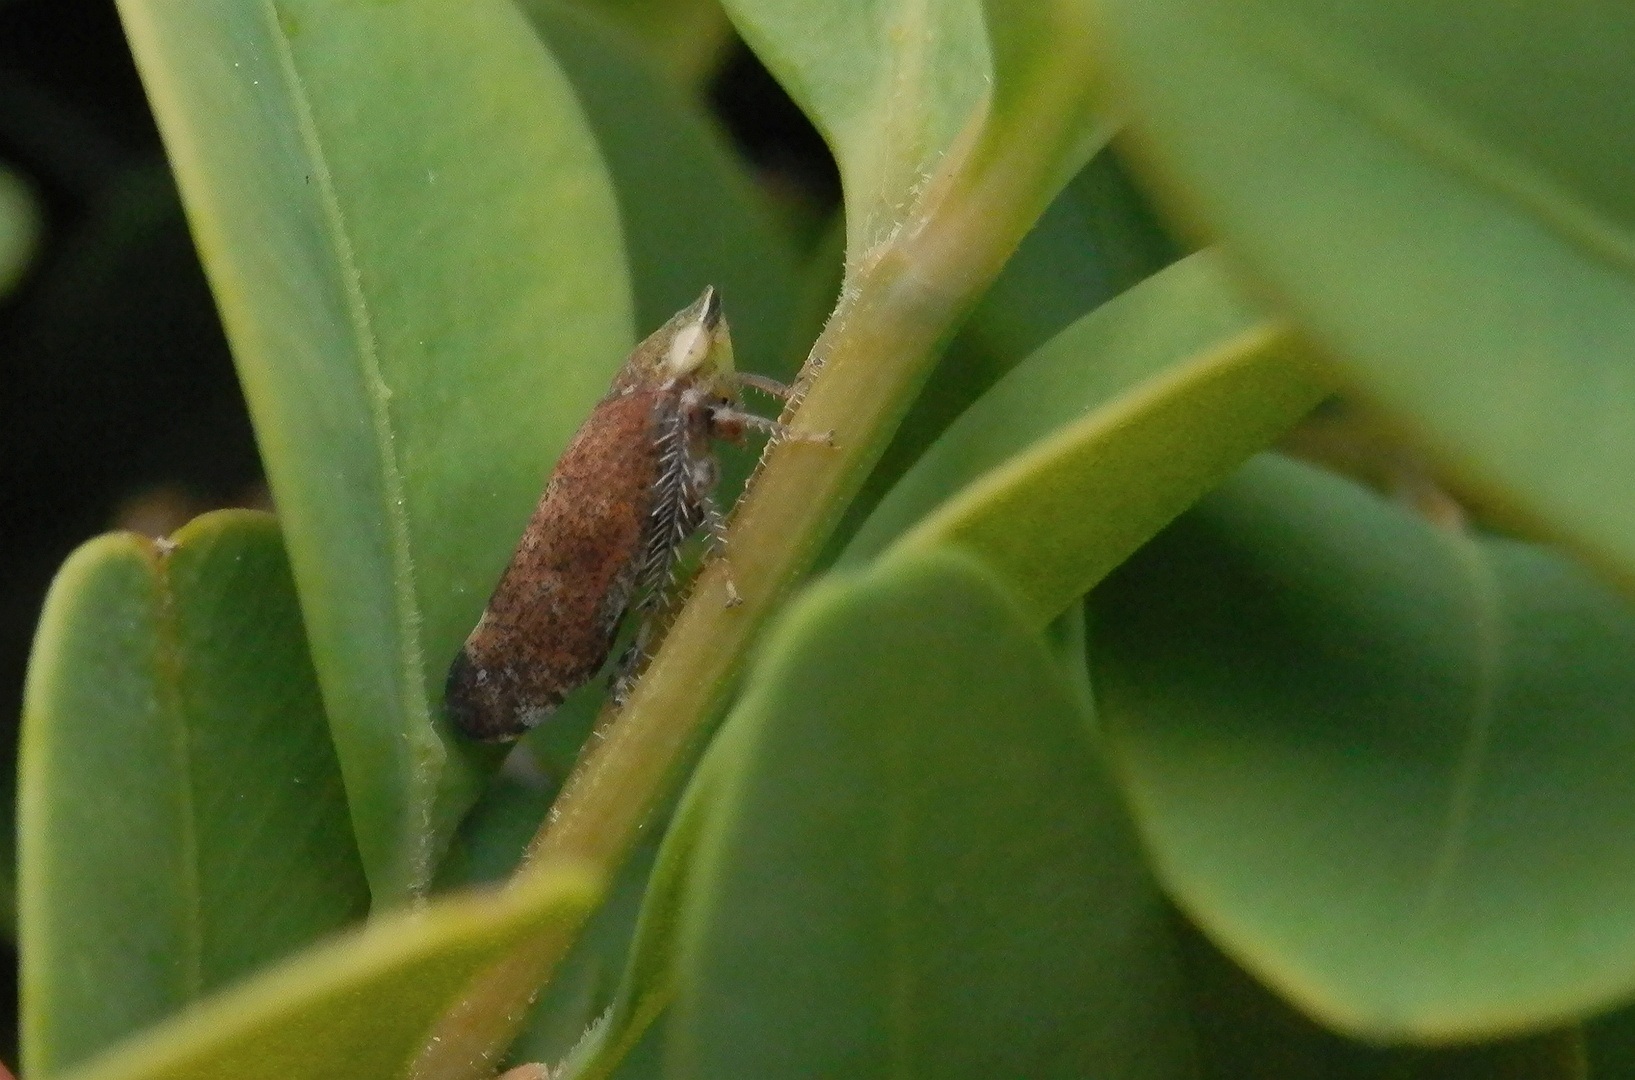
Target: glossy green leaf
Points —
{"points": [[182, 820], [1385, 765], [1442, 194], [416, 254], [1102, 436], [359, 1007], [914, 863]]}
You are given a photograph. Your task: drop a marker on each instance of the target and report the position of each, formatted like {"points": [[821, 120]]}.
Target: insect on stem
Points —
{"points": [[634, 485]]}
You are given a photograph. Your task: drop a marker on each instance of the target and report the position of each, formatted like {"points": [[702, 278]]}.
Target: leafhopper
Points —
{"points": [[632, 487]]}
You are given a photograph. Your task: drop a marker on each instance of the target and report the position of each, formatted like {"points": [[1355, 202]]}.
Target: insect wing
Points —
{"points": [[551, 620]]}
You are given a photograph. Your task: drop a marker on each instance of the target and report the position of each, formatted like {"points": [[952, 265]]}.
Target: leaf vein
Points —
{"points": [[378, 394]]}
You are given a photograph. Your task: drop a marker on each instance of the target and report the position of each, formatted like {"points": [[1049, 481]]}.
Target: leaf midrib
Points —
{"points": [[174, 706], [1487, 634], [378, 394]]}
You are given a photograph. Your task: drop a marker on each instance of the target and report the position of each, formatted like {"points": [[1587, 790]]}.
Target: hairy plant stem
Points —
{"points": [[900, 302]]}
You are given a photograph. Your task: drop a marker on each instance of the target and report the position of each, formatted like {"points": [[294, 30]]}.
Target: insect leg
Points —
{"points": [[730, 418], [768, 386], [715, 531], [630, 661]]}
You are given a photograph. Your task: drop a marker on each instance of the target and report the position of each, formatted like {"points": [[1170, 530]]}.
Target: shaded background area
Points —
{"points": [[119, 404]]}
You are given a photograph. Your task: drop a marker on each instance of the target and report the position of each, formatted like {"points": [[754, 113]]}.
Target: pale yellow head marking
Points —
{"points": [[702, 344]]}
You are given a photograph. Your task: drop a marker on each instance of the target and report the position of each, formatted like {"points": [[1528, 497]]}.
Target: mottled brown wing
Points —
{"points": [[553, 616]]}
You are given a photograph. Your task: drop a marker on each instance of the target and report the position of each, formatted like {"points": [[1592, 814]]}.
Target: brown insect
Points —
{"points": [[632, 487]]}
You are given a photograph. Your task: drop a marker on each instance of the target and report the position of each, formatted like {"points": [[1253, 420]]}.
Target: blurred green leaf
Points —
{"points": [[914, 863], [19, 228], [1244, 1030], [182, 817], [684, 39], [1098, 238], [359, 1007], [1443, 194], [1101, 437], [416, 254], [1385, 765]]}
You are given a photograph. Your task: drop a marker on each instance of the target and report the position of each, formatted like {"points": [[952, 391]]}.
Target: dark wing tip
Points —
{"points": [[470, 710]]}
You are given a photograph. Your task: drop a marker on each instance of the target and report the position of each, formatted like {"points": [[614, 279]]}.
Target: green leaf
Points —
{"points": [[182, 820], [1042, 52], [683, 38], [1101, 437], [648, 985], [19, 228], [914, 863], [1244, 1030], [1097, 239], [358, 1007], [697, 219], [1385, 765], [890, 86], [416, 254], [1442, 194], [1148, 330]]}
